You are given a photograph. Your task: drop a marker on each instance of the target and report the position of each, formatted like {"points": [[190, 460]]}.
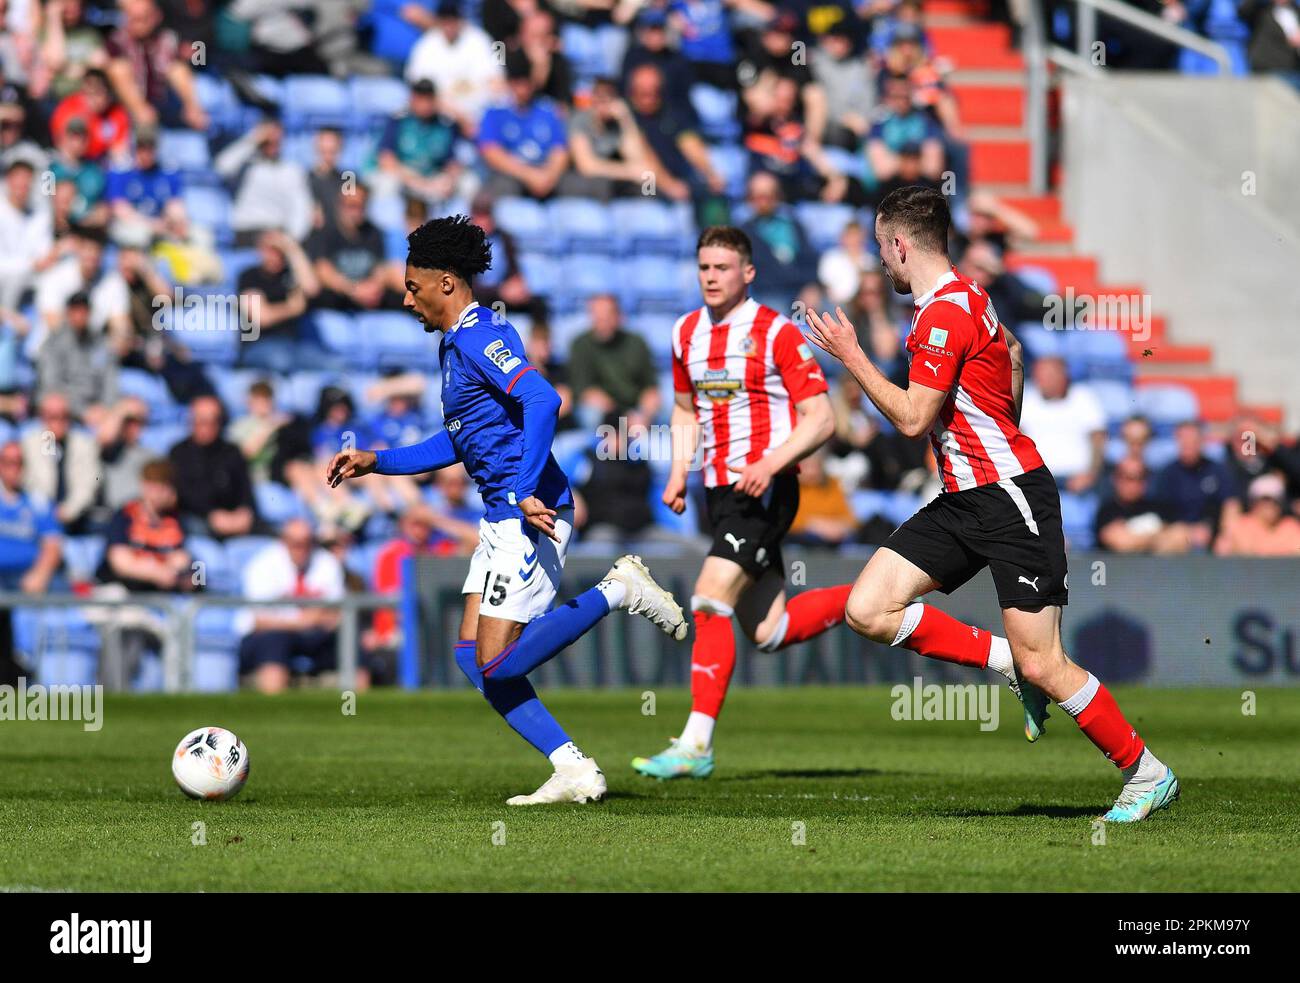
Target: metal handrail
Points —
{"points": [[1039, 55], [181, 610]]}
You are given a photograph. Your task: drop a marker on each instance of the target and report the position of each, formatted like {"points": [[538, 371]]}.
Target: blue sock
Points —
{"points": [[548, 636], [516, 701]]}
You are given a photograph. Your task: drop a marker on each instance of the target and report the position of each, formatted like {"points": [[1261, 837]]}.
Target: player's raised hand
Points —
{"points": [[537, 515], [674, 495], [834, 335], [349, 464], [754, 478]]}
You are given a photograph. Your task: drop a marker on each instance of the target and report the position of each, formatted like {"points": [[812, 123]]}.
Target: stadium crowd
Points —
{"points": [[202, 227]]}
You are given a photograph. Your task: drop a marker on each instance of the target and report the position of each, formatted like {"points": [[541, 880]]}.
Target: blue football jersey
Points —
{"points": [[482, 360]]}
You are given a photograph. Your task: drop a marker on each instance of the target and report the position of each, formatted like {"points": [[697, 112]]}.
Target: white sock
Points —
{"points": [[1000, 657], [1147, 768], [698, 732], [567, 754], [615, 592]]}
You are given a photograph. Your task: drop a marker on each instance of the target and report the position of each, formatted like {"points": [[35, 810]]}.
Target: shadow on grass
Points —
{"points": [[817, 773], [1028, 809]]}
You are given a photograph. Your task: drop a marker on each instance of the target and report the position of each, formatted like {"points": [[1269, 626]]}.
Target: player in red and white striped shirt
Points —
{"points": [[752, 400], [999, 507]]}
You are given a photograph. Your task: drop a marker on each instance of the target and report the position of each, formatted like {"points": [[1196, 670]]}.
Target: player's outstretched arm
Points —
{"points": [[428, 455], [912, 411]]}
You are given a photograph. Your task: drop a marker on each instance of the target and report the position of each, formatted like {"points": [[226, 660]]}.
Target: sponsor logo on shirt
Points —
{"points": [[805, 352], [938, 337], [501, 356], [717, 385]]}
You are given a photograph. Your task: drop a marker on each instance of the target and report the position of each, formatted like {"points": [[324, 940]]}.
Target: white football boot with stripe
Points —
{"points": [[580, 782], [646, 598]]}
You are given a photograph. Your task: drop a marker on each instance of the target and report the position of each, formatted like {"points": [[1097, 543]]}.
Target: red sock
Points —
{"points": [[941, 636], [1106, 727], [713, 657], [813, 612]]}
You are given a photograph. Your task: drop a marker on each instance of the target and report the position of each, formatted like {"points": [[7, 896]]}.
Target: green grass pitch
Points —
{"points": [[816, 789]]}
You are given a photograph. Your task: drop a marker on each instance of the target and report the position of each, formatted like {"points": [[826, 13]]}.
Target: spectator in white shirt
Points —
{"points": [[1067, 422], [26, 239], [270, 193], [462, 61], [275, 638], [83, 270], [840, 268]]}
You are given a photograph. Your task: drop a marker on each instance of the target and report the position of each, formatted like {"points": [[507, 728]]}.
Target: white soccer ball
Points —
{"points": [[210, 763]]}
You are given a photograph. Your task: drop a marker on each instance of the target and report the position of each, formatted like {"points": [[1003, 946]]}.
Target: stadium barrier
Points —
{"points": [[1156, 621]]}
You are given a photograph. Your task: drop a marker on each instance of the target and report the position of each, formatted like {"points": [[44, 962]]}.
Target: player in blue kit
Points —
{"points": [[499, 417]]}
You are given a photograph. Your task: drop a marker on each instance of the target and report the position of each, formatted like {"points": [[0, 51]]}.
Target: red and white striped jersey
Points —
{"points": [[745, 376], [957, 346]]}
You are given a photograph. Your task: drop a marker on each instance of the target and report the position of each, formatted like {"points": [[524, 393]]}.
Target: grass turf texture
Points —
{"points": [[405, 794]]}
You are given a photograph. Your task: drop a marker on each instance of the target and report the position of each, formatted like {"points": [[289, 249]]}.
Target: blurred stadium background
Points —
{"points": [[201, 243]]}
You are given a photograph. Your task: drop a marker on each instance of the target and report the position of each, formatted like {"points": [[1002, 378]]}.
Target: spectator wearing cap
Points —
{"points": [[270, 192], [26, 235], [523, 141], [1067, 423], [783, 258], [1264, 528], [73, 169], [650, 46], [845, 76], [609, 154], [1132, 520], [459, 58], [416, 155], [898, 125], [149, 67], [351, 262], [279, 640], [31, 547], [1199, 491], [213, 486], [108, 127], [78, 362], [140, 193], [61, 462], [278, 286], [683, 166]]}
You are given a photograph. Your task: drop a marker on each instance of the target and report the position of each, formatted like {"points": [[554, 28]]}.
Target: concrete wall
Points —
{"points": [[1155, 187]]}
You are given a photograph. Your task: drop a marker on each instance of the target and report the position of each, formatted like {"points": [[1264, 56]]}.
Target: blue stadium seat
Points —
{"points": [[657, 330], [389, 213], [278, 504], [68, 667], [210, 332], [717, 109], [1116, 398], [217, 571], [151, 389], [184, 151], [732, 162], [313, 101], [652, 225], [232, 388], [218, 100], [160, 438], [583, 276], [338, 333], [82, 555], [359, 148], [1161, 451], [655, 285], [1037, 278], [1039, 342], [397, 339], [209, 207], [823, 222], [215, 672], [300, 392], [582, 225], [299, 148], [582, 46], [375, 99], [240, 551], [361, 559], [612, 39], [236, 261], [1077, 515], [528, 222], [1167, 403]]}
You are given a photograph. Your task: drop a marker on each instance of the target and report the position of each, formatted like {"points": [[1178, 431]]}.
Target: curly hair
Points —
{"points": [[454, 244]]}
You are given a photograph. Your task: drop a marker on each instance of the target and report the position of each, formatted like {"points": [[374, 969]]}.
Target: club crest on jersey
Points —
{"points": [[501, 356], [717, 385], [746, 345], [938, 337]]}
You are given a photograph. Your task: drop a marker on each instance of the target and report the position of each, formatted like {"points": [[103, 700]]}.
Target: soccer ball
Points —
{"points": [[210, 763]]}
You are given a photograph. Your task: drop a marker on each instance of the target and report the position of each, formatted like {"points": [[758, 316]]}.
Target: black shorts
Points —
{"points": [[749, 530], [1013, 527]]}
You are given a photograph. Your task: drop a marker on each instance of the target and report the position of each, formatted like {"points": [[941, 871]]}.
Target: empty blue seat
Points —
{"points": [[81, 555], [312, 101], [374, 99], [209, 207], [218, 575], [823, 222], [732, 162], [582, 225], [1167, 403], [582, 47], [150, 388], [215, 672], [542, 273], [1116, 398], [1039, 342], [397, 339], [160, 438], [1078, 512], [217, 97], [717, 109], [241, 550], [1037, 278], [338, 332], [527, 221], [652, 225], [278, 504], [184, 151]]}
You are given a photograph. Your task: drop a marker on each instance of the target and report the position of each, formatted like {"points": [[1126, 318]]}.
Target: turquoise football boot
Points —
{"points": [[678, 761], [1138, 800], [1035, 703]]}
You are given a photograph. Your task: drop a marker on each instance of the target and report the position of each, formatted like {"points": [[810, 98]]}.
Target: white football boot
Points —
{"points": [[646, 598], [580, 782]]}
